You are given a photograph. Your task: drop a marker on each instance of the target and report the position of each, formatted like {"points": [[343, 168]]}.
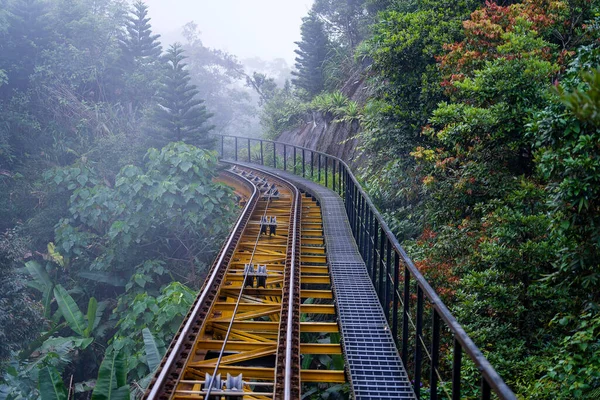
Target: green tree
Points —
{"points": [[312, 53], [140, 43], [140, 59], [180, 114]]}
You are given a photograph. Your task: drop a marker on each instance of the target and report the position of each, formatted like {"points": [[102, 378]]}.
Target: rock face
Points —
{"points": [[320, 132]]}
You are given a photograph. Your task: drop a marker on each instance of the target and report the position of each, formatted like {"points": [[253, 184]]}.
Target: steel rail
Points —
{"points": [[176, 349], [461, 337], [290, 322]]}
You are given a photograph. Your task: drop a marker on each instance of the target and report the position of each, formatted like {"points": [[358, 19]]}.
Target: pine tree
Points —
{"points": [[312, 53], [140, 44], [180, 114], [140, 60]]}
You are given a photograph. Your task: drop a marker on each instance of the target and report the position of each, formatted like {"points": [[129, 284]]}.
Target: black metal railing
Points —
{"points": [[432, 353]]}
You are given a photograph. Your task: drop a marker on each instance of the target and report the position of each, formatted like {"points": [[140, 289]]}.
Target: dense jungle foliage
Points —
{"points": [[481, 132], [109, 216], [482, 139]]}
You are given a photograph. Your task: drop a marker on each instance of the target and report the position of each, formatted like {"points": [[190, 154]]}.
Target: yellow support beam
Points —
{"points": [[321, 375], [320, 348]]}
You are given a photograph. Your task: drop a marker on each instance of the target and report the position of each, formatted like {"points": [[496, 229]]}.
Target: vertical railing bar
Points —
{"points": [[405, 315], [375, 241], [249, 158], [388, 270], [274, 155], [312, 164], [418, 346], [333, 175], [326, 171], [354, 211], [303, 161], [359, 217], [365, 236], [381, 266], [362, 205], [486, 392], [395, 294], [370, 243], [342, 182], [285, 157], [435, 354], [456, 365], [294, 160], [262, 156], [319, 165], [236, 148], [222, 146], [347, 202], [356, 214]]}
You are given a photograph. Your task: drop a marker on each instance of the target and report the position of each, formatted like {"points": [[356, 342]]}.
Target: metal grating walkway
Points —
{"points": [[376, 370]]}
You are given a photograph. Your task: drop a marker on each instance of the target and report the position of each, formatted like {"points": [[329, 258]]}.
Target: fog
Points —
{"points": [[246, 28]]}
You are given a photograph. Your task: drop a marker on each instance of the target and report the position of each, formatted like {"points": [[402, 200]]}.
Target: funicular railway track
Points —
{"points": [[243, 338]]}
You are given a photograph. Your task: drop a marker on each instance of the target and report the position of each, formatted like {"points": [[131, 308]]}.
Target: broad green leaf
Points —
{"points": [[69, 310], [91, 316], [153, 356], [185, 166], [51, 384], [48, 301], [39, 274], [111, 383]]}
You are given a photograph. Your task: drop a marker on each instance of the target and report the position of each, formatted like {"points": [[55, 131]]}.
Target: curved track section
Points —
{"points": [[243, 338]]}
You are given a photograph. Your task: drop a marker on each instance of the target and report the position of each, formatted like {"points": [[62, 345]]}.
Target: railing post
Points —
{"points": [[249, 158], [358, 216], [405, 315], [303, 161], [418, 345], [486, 392], [236, 148], [294, 160], [356, 202], [370, 244], [222, 146], [381, 266], [285, 157], [274, 155], [456, 365], [333, 174], [262, 156], [396, 300], [326, 162], [319, 176], [435, 354], [388, 272], [341, 167], [375, 242], [312, 164], [365, 234]]}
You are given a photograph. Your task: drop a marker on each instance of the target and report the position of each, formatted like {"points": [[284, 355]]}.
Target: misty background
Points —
{"points": [[265, 29], [220, 38]]}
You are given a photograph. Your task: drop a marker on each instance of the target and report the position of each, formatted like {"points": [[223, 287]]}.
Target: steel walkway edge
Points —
{"points": [[374, 365]]}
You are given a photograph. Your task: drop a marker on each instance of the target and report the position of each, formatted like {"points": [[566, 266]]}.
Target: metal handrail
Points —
{"points": [[360, 209]]}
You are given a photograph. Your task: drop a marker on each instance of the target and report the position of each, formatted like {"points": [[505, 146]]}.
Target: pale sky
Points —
{"points": [[245, 28]]}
